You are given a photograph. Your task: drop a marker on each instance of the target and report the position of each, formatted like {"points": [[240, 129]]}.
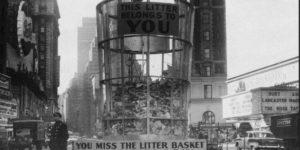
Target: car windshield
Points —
{"points": [[263, 135]]}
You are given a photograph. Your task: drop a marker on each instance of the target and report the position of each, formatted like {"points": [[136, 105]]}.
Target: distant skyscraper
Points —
{"points": [[86, 33], [209, 71]]}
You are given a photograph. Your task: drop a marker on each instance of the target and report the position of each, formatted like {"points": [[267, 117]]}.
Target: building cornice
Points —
{"points": [[264, 69]]}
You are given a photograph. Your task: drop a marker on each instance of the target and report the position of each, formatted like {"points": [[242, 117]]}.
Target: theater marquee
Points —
{"points": [[261, 101]]}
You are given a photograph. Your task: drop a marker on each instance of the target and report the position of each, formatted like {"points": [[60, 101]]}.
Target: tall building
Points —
{"points": [[209, 71], [47, 15], [31, 58], [74, 104], [83, 95], [86, 33]]}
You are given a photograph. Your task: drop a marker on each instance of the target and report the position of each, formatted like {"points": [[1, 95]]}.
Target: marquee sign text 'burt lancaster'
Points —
{"points": [[148, 18], [140, 145]]}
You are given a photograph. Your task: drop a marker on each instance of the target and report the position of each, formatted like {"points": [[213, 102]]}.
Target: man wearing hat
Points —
{"points": [[58, 134]]}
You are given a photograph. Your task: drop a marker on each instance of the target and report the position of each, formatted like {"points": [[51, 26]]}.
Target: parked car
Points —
{"points": [[258, 140], [27, 134], [5, 136], [227, 146]]}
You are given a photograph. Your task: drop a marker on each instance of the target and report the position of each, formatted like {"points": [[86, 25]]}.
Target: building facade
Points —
{"points": [[260, 96], [209, 73], [282, 78], [85, 36], [31, 58], [83, 94]]}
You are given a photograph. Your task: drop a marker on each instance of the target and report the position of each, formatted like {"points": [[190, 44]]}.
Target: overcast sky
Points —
{"points": [[259, 33]]}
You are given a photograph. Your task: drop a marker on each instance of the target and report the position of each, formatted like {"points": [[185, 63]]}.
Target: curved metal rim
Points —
{"points": [[139, 52], [141, 35]]}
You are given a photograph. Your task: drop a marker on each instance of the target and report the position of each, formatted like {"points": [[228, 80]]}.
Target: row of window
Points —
{"points": [[208, 91], [205, 3], [207, 54], [206, 69]]}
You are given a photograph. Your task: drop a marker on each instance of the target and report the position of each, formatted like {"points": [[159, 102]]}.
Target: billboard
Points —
{"points": [[279, 101], [238, 105], [148, 18]]}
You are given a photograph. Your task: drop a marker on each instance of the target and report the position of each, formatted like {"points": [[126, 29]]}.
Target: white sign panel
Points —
{"points": [[8, 109], [141, 145], [275, 101], [148, 18], [238, 105]]}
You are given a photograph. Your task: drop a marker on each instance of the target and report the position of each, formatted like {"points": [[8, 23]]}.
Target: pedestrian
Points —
{"points": [[58, 134]]}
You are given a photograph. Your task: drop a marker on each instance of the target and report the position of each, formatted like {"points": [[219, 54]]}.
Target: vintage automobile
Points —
{"points": [[259, 140], [5, 135], [27, 134]]}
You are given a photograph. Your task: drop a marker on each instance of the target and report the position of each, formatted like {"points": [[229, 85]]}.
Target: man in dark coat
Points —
{"points": [[58, 134]]}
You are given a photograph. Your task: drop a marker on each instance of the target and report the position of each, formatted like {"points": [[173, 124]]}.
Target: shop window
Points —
{"points": [[206, 35], [206, 53], [208, 117], [207, 91]]}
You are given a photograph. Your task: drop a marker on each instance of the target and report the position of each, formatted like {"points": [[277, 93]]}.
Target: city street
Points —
{"points": [[149, 74]]}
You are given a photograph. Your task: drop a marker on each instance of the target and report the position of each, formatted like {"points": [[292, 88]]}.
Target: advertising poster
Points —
{"points": [[141, 145], [148, 18]]}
